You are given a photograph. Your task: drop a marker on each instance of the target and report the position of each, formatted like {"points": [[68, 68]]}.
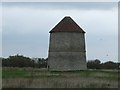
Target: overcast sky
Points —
{"points": [[26, 26]]}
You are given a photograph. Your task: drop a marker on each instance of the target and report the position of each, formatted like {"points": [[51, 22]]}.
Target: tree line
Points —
{"points": [[22, 61], [96, 64]]}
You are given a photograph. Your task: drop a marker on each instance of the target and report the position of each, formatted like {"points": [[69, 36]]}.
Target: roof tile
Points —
{"points": [[67, 24]]}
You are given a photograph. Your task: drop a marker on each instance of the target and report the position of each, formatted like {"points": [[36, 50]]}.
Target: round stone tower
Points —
{"points": [[67, 47]]}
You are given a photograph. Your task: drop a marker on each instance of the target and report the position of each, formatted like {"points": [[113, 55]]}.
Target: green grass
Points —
{"points": [[101, 74], [13, 73], [44, 73], [30, 73], [25, 77]]}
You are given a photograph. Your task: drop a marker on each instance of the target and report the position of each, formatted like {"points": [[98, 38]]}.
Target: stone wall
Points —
{"points": [[67, 51]]}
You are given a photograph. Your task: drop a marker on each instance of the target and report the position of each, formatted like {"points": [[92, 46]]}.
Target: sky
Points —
{"points": [[26, 26]]}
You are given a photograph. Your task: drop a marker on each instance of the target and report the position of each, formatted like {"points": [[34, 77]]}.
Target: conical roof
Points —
{"points": [[67, 24]]}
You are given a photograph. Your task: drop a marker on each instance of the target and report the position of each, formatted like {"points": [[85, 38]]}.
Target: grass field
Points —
{"points": [[42, 78]]}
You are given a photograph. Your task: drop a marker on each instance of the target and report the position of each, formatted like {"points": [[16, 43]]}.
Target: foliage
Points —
{"points": [[22, 61], [96, 64], [110, 65]]}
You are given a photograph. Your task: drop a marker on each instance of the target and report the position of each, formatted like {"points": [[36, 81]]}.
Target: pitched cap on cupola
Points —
{"points": [[67, 24]]}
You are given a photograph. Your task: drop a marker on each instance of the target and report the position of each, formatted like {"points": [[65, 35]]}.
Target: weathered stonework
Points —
{"points": [[67, 51]]}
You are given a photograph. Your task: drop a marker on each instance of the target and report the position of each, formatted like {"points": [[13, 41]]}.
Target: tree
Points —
{"points": [[18, 61], [110, 65], [94, 64], [42, 63]]}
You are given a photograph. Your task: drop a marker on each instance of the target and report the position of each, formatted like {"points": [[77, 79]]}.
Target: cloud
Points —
{"points": [[29, 21], [102, 47], [62, 5], [33, 45], [0, 29], [26, 27], [26, 21]]}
